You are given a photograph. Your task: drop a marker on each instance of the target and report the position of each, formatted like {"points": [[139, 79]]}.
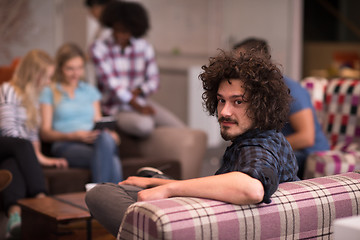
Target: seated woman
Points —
{"points": [[20, 151], [69, 109]]}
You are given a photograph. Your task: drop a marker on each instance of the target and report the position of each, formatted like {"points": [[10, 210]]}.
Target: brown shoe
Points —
{"points": [[5, 178]]}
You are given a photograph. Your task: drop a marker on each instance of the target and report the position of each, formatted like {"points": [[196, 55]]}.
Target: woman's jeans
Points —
{"points": [[101, 157]]}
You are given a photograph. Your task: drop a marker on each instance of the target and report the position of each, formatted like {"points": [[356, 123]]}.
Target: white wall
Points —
{"points": [[35, 29], [199, 28]]}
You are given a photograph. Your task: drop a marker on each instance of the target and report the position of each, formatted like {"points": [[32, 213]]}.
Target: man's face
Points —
{"points": [[231, 109]]}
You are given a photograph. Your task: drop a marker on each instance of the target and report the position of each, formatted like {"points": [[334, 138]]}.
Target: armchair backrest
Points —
{"points": [[336, 102], [341, 113]]}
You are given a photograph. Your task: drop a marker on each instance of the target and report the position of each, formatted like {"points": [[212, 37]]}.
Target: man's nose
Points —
{"points": [[226, 110]]}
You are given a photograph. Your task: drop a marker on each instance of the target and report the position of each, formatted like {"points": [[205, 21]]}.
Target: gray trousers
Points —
{"points": [[140, 125], [108, 203]]}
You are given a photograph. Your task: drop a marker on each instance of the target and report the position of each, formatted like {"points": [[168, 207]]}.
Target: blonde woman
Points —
{"points": [[20, 148], [69, 109]]}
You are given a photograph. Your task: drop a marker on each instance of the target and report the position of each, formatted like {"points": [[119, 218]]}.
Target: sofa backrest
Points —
{"points": [[6, 72], [299, 210]]}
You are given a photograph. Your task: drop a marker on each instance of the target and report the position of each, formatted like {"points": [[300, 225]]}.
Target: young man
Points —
{"points": [[302, 129], [127, 72], [251, 101]]}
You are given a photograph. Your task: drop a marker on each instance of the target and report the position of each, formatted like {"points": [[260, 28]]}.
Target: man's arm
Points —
{"points": [[304, 129], [233, 187]]}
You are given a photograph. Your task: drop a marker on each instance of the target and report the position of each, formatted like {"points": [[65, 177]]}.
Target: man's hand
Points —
{"points": [[155, 193], [142, 182]]}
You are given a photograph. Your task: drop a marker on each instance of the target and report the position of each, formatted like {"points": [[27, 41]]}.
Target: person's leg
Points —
{"points": [[164, 117], [15, 191], [108, 203], [106, 165], [77, 154], [135, 124], [22, 152]]}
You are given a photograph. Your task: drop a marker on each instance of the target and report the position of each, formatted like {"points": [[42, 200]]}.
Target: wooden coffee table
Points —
{"points": [[41, 217]]}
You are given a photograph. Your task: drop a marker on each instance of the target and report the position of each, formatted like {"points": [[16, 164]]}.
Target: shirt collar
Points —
{"points": [[114, 44], [80, 86]]}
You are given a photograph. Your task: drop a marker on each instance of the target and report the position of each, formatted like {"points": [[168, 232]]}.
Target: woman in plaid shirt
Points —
{"points": [[127, 72]]}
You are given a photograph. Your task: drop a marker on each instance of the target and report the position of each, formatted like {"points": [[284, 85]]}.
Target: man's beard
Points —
{"points": [[223, 130], [225, 135]]}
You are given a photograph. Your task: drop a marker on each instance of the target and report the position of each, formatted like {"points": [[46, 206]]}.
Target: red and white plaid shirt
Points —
{"points": [[120, 71]]}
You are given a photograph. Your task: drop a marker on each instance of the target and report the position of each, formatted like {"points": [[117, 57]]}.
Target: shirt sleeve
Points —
{"points": [[301, 98], [258, 165], [46, 96], [103, 62], [94, 93], [151, 82]]}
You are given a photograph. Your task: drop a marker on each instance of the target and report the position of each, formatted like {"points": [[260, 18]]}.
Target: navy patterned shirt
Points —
{"points": [[264, 155]]}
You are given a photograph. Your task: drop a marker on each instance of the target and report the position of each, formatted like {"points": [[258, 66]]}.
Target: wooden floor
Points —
{"points": [[77, 231]]}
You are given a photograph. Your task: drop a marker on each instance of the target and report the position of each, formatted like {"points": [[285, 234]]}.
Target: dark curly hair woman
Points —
{"points": [[124, 16], [267, 95]]}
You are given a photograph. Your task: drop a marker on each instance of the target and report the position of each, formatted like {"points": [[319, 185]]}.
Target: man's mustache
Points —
{"points": [[227, 119]]}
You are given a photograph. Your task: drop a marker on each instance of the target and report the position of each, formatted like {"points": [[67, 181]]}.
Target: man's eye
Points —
{"points": [[238, 102], [221, 100]]}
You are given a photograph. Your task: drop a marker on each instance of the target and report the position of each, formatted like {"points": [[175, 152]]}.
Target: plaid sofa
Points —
{"points": [[299, 210], [336, 102]]}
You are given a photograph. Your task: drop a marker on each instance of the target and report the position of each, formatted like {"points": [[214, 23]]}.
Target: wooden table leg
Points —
{"points": [[88, 229], [37, 226]]}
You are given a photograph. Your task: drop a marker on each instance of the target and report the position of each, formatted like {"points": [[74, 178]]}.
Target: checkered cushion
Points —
{"points": [[342, 117], [299, 210]]}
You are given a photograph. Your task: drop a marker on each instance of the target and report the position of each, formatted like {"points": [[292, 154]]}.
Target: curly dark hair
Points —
{"points": [[265, 91], [90, 3], [132, 15]]}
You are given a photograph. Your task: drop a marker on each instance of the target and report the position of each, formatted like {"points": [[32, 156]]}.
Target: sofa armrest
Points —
{"points": [[326, 163], [298, 210], [185, 144]]}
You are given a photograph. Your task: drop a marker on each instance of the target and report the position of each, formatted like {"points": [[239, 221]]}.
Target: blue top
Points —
{"points": [[301, 101], [264, 155], [72, 114]]}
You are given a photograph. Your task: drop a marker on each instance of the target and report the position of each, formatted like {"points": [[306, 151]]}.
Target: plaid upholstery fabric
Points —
{"points": [[327, 163], [299, 210], [316, 88]]}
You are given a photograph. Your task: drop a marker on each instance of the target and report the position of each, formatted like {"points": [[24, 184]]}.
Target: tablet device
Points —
{"points": [[105, 123]]}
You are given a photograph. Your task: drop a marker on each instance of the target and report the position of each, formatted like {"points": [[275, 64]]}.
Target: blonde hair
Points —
{"points": [[66, 52], [27, 82]]}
